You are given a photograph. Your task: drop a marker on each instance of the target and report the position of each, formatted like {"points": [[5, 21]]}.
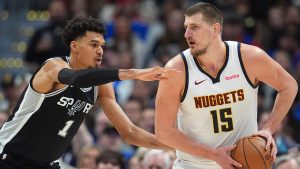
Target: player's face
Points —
{"points": [[198, 34], [89, 49]]}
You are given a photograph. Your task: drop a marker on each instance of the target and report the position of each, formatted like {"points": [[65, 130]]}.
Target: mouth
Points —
{"points": [[99, 61], [191, 43]]}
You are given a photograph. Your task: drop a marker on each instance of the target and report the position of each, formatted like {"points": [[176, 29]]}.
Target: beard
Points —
{"points": [[196, 53]]}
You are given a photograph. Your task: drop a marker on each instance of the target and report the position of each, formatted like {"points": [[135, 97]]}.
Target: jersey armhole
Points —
{"points": [[243, 68], [186, 84], [33, 75]]}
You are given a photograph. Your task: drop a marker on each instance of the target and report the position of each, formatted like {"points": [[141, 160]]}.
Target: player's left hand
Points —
{"points": [[270, 141]]}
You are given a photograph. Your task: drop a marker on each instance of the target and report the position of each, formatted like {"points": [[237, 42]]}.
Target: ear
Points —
{"points": [[73, 45], [217, 28]]}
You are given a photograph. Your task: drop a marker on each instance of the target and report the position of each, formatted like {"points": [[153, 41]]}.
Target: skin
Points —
{"points": [[205, 42], [88, 158], [86, 52]]}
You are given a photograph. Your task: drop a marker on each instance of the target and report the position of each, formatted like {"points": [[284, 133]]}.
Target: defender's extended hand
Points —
{"points": [[155, 73]]}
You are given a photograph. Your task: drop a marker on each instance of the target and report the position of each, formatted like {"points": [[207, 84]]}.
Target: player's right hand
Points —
{"points": [[222, 157]]}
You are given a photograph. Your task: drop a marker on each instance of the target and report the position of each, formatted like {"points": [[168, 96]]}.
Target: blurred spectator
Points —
{"points": [[156, 159], [143, 92], [46, 42], [101, 122], [126, 34], [13, 86], [88, 156], [172, 41], [79, 8], [287, 162], [111, 160], [111, 140], [3, 117], [136, 161], [283, 58], [147, 121], [172, 155], [126, 61], [133, 108]]}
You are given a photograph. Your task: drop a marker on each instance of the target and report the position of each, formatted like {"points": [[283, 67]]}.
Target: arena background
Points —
{"points": [[142, 33]]}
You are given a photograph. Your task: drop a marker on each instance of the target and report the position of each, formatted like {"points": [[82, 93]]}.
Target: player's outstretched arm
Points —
{"points": [[58, 71], [149, 74], [129, 132]]}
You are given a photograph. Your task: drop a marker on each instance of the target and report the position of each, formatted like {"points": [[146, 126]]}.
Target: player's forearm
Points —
{"points": [[283, 102], [176, 139], [142, 138], [88, 77], [127, 74]]}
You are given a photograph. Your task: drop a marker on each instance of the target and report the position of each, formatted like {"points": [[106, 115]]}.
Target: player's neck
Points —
{"points": [[213, 59], [74, 64], [214, 56]]}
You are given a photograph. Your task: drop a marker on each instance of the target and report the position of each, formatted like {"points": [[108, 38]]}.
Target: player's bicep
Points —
{"points": [[167, 103], [47, 76], [270, 72], [53, 67]]}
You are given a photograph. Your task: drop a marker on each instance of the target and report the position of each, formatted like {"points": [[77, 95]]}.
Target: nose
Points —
{"points": [[100, 50], [187, 33]]}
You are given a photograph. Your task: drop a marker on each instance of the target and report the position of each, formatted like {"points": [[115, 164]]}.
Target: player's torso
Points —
{"points": [[217, 111], [43, 125]]}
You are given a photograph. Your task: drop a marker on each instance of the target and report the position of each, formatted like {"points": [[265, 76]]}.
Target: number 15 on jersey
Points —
{"points": [[222, 120]]}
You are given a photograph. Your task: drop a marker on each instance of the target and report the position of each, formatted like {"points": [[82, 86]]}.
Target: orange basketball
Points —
{"points": [[251, 153]]}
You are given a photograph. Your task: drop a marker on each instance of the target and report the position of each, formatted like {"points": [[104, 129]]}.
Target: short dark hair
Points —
{"points": [[77, 27], [210, 13], [113, 157]]}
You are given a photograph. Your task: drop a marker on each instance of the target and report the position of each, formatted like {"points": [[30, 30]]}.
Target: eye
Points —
{"points": [[194, 27], [94, 45]]}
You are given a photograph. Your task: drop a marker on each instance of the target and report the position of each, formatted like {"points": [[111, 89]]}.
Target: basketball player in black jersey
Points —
{"points": [[61, 93]]}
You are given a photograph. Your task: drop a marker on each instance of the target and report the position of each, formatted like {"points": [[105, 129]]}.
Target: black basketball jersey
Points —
{"points": [[42, 126]]}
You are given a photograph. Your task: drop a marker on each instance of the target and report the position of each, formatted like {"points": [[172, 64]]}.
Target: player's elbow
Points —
{"points": [[292, 87], [128, 134], [295, 86]]}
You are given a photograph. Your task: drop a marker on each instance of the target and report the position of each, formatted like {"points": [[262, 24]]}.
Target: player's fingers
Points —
{"points": [[171, 71], [274, 151], [230, 167], [269, 142], [158, 69], [229, 148], [235, 163], [273, 154]]}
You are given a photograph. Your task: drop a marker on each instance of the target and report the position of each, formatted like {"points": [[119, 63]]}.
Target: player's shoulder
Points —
{"points": [[54, 62], [175, 63], [251, 51]]}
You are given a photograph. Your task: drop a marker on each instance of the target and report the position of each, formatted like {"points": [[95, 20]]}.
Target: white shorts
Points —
{"points": [[184, 164]]}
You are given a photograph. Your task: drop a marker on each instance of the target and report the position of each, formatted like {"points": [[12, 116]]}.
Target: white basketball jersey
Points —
{"points": [[217, 111]]}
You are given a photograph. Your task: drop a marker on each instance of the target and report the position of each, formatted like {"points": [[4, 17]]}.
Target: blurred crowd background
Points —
{"points": [[143, 33]]}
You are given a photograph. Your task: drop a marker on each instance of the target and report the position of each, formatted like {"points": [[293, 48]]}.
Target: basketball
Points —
{"points": [[251, 153]]}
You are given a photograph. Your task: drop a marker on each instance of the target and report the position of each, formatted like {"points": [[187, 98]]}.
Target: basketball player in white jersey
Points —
{"points": [[215, 100]]}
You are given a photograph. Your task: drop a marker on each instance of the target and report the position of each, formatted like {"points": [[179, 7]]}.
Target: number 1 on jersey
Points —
{"points": [[64, 131], [225, 119]]}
